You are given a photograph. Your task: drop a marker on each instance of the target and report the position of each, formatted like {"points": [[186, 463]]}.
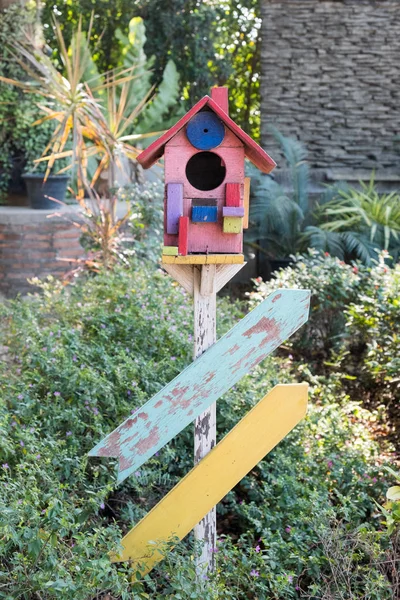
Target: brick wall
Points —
{"points": [[31, 245], [331, 78]]}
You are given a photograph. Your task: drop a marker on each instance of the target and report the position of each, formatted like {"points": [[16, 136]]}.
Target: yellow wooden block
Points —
{"points": [[233, 224], [204, 259], [215, 475], [170, 251], [246, 202]]}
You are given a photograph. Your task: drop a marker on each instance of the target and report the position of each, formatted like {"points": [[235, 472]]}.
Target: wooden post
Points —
{"points": [[205, 428], [204, 282]]}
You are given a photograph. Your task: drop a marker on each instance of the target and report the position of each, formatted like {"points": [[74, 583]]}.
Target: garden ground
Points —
{"points": [[303, 524]]}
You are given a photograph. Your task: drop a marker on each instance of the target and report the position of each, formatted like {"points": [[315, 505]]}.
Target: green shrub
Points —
{"points": [[80, 359], [146, 222], [333, 285], [354, 320]]}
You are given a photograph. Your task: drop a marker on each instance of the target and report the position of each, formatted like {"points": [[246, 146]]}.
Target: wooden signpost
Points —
{"points": [[200, 385], [208, 482], [206, 208]]}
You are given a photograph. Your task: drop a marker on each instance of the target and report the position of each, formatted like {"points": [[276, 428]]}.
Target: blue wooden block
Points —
{"points": [[212, 374], [205, 130], [204, 214]]}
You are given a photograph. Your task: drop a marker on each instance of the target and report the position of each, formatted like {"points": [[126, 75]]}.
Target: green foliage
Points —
{"points": [[334, 285], [365, 220], [146, 221], [279, 215], [80, 359], [391, 508], [371, 349], [354, 320], [164, 109], [209, 42], [20, 144], [347, 223]]}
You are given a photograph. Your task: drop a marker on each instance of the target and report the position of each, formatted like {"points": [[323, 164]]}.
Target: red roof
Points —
{"points": [[253, 151]]}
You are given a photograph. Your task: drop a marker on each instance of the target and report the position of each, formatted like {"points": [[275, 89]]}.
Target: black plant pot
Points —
{"points": [[40, 192], [270, 265]]}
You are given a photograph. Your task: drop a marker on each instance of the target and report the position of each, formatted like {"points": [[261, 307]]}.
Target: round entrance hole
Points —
{"points": [[205, 171]]}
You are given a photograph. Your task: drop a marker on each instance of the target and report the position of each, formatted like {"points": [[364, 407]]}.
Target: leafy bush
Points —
{"points": [[146, 221], [348, 223], [365, 220], [354, 325], [334, 285], [20, 144], [278, 215], [80, 359]]}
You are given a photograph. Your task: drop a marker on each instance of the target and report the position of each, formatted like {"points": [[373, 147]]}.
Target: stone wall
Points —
{"points": [[331, 77], [33, 245]]}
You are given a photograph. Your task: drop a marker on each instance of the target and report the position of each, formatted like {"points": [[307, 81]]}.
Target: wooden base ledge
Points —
{"points": [[204, 259]]}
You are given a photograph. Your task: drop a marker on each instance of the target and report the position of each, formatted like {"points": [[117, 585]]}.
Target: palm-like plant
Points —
{"points": [[281, 216], [276, 214], [365, 220], [73, 101], [94, 118]]}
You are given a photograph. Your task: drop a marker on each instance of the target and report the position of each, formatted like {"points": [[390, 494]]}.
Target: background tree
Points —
{"points": [[210, 43]]}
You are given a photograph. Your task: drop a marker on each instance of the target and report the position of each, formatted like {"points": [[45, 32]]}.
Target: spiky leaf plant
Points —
{"points": [[278, 214], [366, 220]]}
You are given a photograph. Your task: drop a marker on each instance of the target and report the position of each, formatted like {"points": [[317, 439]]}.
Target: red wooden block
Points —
{"points": [[183, 237], [232, 194]]}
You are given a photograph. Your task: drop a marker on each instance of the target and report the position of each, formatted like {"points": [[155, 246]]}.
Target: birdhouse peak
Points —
{"points": [[218, 104]]}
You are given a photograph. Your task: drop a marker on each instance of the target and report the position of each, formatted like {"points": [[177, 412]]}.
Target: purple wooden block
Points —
{"points": [[233, 211], [174, 206]]}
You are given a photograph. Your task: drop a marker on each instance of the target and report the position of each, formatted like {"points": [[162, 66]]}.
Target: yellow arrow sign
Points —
{"points": [[210, 480]]}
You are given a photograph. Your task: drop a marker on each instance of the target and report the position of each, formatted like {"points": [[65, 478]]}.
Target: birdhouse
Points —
{"points": [[206, 204]]}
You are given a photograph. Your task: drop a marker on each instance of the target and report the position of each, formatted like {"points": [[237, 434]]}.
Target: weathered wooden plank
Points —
{"points": [[232, 194], [232, 224], [233, 211], [170, 251], [183, 237], [183, 274], [207, 288], [225, 274], [205, 426], [174, 206], [205, 380], [208, 482], [246, 202], [204, 259]]}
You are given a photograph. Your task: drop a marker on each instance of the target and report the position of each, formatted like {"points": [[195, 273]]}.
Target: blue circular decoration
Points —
{"points": [[205, 130]]}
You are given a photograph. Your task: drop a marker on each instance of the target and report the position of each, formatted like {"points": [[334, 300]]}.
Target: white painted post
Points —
{"points": [[205, 429]]}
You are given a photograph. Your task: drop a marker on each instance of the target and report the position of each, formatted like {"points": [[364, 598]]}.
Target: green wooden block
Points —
{"points": [[233, 224], [170, 251]]}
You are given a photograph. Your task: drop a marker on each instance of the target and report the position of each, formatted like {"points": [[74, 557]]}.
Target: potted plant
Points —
{"points": [[44, 192], [95, 120]]}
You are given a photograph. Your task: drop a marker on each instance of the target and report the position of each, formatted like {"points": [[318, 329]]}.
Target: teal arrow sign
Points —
{"points": [[205, 380]]}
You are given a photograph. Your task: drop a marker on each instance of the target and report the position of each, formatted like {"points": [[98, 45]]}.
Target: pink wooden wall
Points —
{"points": [[205, 237]]}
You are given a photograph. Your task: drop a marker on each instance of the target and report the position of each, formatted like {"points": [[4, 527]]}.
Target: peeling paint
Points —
{"points": [[205, 380], [146, 443]]}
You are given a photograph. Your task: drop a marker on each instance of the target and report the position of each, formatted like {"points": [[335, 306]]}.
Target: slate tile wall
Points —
{"points": [[331, 78]]}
